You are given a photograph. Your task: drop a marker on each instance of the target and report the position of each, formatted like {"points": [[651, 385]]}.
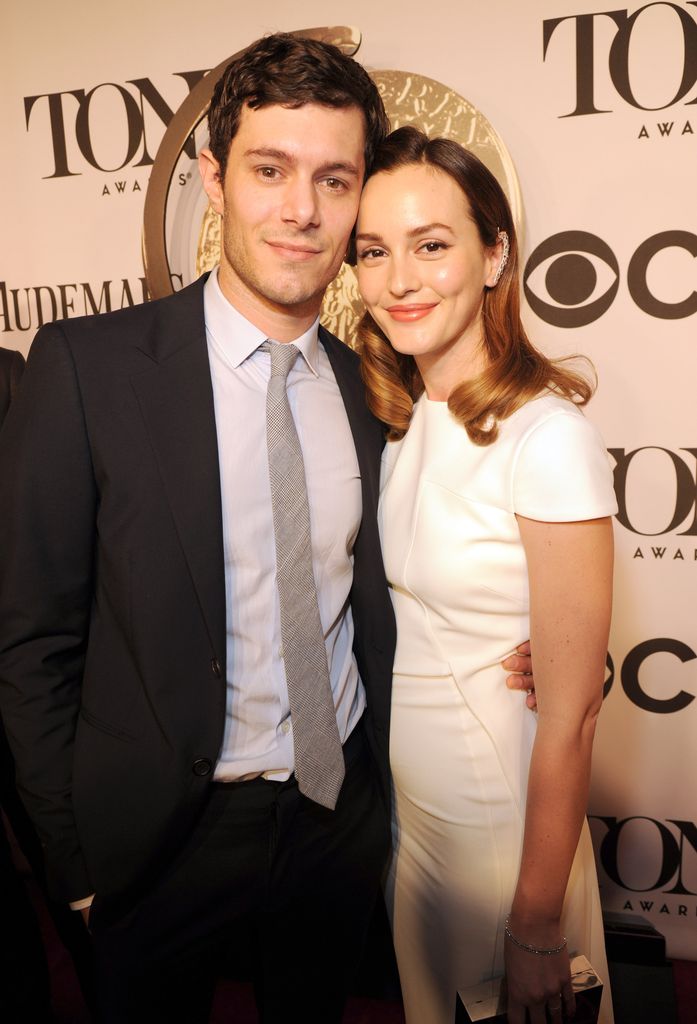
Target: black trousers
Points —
{"points": [[265, 865]]}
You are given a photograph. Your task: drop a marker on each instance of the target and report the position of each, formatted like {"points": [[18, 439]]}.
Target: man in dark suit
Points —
{"points": [[143, 659]]}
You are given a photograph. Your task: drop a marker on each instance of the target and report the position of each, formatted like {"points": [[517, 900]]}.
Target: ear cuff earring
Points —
{"points": [[502, 236]]}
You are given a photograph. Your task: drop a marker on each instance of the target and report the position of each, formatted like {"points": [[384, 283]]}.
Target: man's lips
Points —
{"points": [[410, 312], [294, 250]]}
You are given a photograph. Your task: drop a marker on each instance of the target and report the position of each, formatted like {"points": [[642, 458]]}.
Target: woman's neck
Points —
{"points": [[442, 372]]}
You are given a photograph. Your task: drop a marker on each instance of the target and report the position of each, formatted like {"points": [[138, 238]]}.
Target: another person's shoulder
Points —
{"points": [[11, 363], [11, 368], [11, 357]]}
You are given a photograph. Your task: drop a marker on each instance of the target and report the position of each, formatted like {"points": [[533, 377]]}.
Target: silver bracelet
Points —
{"points": [[534, 949]]}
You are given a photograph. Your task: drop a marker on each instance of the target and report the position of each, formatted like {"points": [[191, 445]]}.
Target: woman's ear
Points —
{"points": [[498, 259]]}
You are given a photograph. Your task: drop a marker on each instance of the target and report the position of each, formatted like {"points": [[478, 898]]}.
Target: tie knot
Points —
{"points": [[282, 357]]}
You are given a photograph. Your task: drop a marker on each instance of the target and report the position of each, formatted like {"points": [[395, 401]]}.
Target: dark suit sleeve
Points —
{"points": [[47, 529]]}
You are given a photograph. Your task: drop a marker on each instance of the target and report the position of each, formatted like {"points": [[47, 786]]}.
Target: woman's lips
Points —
{"points": [[416, 311]]}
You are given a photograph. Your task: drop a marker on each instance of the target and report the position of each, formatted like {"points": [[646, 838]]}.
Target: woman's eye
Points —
{"points": [[371, 254], [433, 246]]}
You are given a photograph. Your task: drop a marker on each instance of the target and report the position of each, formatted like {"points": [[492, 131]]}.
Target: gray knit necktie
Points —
{"points": [[319, 759]]}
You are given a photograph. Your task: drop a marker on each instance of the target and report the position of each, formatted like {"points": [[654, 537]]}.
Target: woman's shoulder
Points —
{"points": [[552, 420], [561, 467], [539, 410]]}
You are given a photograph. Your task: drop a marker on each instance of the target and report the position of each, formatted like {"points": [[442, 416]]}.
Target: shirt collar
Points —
{"points": [[237, 339]]}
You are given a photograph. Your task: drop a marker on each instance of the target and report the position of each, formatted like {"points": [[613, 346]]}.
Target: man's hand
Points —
{"points": [[520, 665]]}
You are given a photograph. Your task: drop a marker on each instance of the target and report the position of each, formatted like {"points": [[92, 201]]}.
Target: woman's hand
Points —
{"points": [[519, 665], [540, 984]]}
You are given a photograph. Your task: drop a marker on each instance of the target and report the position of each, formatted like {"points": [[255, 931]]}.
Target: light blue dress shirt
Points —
{"points": [[258, 737]]}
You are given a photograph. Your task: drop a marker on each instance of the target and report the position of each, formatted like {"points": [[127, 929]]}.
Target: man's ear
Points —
{"points": [[209, 169]]}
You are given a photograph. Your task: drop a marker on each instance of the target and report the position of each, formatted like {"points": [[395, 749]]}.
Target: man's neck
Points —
{"points": [[281, 323]]}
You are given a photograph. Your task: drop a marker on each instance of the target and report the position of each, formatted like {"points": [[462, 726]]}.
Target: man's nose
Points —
{"points": [[300, 203]]}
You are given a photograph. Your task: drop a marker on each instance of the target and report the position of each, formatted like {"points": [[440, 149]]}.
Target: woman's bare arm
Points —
{"points": [[570, 573]]}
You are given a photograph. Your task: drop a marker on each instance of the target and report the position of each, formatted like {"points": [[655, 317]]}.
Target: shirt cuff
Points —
{"points": [[82, 904]]}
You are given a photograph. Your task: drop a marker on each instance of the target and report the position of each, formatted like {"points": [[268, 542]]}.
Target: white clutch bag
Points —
{"points": [[486, 1003]]}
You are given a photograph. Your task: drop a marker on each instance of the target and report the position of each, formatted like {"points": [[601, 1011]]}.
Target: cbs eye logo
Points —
{"points": [[572, 278]]}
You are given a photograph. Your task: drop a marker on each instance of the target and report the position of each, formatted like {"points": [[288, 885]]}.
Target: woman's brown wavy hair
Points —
{"points": [[515, 371]]}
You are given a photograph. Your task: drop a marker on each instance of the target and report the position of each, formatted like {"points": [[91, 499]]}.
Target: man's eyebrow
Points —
{"points": [[423, 229], [271, 153], [339, 167], [330, 167]]}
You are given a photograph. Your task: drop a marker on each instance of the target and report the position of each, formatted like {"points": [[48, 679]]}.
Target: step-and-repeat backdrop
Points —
{"points": [[597, 107]]}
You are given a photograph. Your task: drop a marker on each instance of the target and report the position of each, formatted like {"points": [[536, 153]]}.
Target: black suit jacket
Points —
{"points": [[112, 598]]}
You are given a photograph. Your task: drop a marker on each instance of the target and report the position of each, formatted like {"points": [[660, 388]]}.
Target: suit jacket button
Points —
{"points": [[202, 766], [215, 668]]}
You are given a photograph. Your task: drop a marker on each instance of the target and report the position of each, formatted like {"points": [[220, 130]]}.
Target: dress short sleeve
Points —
{"points": [[562, 471]]}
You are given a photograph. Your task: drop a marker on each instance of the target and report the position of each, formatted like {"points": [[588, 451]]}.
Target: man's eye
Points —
{"points": [[334, 184], [268, 173]]}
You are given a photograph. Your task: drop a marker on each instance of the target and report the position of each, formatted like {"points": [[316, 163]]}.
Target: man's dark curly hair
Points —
{"points": [[292, 71]]}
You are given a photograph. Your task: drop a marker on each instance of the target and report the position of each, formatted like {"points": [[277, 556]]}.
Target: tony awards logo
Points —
{"points": [[181, 234], [604, 51]]}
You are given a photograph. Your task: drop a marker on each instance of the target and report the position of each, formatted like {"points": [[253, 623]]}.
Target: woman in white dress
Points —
{"points": [[495, 517]]}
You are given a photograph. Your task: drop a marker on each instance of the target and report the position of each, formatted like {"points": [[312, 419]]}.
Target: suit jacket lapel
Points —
{"points": [[366, 432], [176, 400]]}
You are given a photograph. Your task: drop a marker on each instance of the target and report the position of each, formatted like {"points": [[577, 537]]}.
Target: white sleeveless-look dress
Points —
{"points": [[460, 740]]}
